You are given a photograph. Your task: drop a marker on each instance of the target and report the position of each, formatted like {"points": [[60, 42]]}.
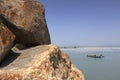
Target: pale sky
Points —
{"points": [[83, 22]]}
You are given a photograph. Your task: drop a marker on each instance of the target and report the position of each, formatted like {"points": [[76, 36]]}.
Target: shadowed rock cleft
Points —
{"points": [[22, 22]]}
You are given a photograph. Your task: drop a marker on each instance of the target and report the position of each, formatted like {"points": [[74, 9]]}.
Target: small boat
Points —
{"points": [[95, 56]]}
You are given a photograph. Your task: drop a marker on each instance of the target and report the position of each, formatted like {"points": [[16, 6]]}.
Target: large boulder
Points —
{"points": [[45, 62], [6, 40], [29, 19]]}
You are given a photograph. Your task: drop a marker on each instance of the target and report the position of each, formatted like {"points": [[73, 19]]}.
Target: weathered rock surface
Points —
{"points": [[26, 19], [23, 22], [46, 62], [6, 40]]}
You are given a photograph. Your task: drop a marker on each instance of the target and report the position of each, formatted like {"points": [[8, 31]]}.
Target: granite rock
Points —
{"points": [[22, 22], [28, 19], [45, 62], [6, 40]]}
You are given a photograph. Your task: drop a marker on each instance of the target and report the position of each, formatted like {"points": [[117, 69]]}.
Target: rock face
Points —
{"points": [[23, 22], [46, 62], [6, 40], [26, 19]]}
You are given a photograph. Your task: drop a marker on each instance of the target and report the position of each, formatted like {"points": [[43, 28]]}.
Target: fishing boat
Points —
{"points": [[95, 56]]}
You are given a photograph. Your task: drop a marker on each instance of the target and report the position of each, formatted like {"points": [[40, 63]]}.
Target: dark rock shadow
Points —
{"points": [[24, 47], [9, 59], [20, 47]]}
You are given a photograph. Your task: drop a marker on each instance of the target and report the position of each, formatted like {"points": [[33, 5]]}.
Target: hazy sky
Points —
{"points": [[83, 22]]}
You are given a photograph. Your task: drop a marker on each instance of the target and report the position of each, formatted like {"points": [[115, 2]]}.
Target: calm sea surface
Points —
{"points": [[107, 68]]}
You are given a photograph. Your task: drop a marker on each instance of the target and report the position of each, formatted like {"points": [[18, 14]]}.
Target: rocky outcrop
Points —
{"points": [[26, 19], [22, 22], [46, 62], [6, 40]]}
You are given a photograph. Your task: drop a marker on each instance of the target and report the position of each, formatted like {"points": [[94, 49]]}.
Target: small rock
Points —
{"points": [[6, 40]]}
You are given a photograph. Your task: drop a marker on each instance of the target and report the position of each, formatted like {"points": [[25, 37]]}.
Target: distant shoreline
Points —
{"points": [[66, 47], [72, 47]]}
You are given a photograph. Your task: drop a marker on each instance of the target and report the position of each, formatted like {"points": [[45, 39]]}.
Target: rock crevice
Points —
{"points": [[25, 21]]}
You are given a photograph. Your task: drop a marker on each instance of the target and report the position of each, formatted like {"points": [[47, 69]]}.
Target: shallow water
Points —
{"points": [[107, 68]]}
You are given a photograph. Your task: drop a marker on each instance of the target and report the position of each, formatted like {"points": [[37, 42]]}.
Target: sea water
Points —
{"points": [[107, 68]]}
